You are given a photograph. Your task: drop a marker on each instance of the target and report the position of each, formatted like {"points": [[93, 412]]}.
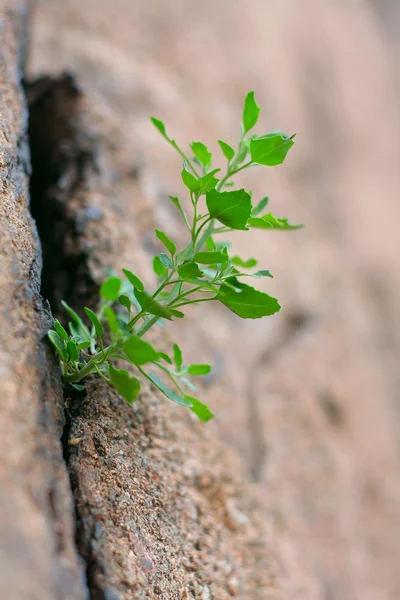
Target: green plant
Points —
{"points": [[201, 272]]}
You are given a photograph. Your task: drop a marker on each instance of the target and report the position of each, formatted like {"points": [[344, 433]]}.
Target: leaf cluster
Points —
{"points": [[203, 271]]}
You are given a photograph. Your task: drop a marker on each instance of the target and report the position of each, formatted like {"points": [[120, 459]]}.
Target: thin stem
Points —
{"points": [[231, 173]]}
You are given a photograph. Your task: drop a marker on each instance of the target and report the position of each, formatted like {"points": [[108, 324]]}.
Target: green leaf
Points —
{"points": [[109, 290], [78, 387], [160, 126], [175, 201], [210, 258], [96, 323], [209, 243], [81, 328], [227, 150], [202, 154], [208, 181], [190, 270], [270, 149], [158, 267], [165, 357], [139, 351], [58, 344], [134, 280], [230, 208], [170, 246], [262, 273], [60, 330], [200, 409], [72, 350], [270, 222], [185, 254], [125, 301], [165, 260], [112, 319], [151, 306], [177, 357], [190, 181], [247, 302], [83, 345], [125, 383], [260, 206], [176, 313], [171, 394], [250, 112], [244, 264], [199, 369]]}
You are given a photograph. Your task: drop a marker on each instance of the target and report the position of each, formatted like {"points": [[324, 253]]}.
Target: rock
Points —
{"points": [[38, 559]]}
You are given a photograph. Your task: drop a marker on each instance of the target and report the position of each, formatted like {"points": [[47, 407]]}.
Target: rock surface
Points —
{"points": [[38, 560]]}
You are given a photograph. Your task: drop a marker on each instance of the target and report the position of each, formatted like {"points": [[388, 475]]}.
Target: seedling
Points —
{"points": [[204, 271]]}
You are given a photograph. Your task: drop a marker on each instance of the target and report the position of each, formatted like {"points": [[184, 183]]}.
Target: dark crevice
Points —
{"points": [[63, 159], [64, 162]]}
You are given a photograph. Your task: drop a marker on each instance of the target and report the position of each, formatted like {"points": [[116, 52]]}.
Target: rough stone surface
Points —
{"points": [[38, 560]]}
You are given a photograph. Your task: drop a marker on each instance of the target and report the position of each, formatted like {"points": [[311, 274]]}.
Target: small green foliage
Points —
{"points": [[109, 290], [202, 271], [227, 150], [250, 112], [270, 150]]}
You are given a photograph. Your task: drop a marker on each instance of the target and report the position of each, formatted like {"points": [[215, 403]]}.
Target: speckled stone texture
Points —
{"points": [[38, 560]]}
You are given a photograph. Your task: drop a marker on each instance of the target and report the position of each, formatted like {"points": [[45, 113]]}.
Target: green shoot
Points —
{"points": [[204, 271]]}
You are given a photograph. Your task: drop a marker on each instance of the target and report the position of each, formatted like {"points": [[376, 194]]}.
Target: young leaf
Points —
{"points": [[177, 357], [83, 345], [209, 243], [109, 290], [165, 260], [165, 357], [80, 329], [247, 302], [189, 271], [176, 313], [170, 246], [125, 383], [60, 330], [244, 264], [96, 323], [185, 254], [125, 301], [208, 181], [227, 150], [78, 387], [168, 392], [270, 149], [260, 206], [58, 344], [151, 306], [210, 258], [199, 369], [200, 409], [262, 273], [250, 112], [230, 208], [160, 126], [175, 201], [112, 318], [134, 280], [190, 181], [270, 222], [202, 154], [139, 351], [158, 267], [72, 350]]}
